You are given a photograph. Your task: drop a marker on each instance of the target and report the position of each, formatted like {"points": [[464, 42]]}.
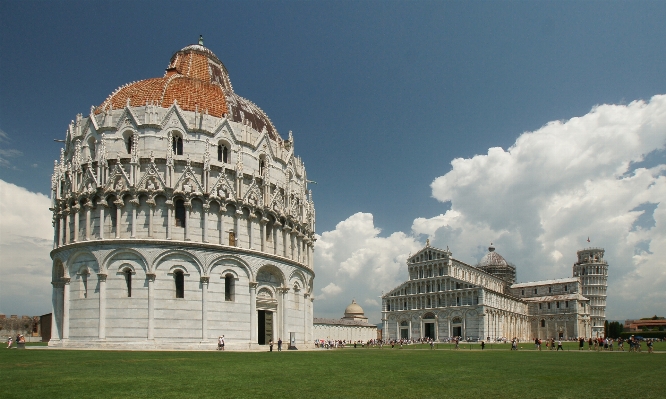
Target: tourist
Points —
{"points": [[483, 345], [589, 344], [279, 344], [649, 345], [220, 343], [9, 343], [559, 344]]}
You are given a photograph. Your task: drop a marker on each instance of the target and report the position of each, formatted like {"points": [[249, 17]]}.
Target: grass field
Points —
{"points": [[353, 373]]}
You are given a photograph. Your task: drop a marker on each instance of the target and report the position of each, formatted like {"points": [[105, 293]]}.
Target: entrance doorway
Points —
{"points": [[265, 326], [429, 330], [457, 331]]}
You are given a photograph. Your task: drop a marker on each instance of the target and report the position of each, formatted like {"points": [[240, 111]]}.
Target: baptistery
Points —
{"points": [[180, 215]]}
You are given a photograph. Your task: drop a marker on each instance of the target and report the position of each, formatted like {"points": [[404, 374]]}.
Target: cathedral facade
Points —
{"points": [[446, 298], [180, 215]]}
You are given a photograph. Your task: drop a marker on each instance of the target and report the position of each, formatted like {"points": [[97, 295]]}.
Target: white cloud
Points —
{"points": [[26, 238], [541, 199], [330, 290], [355, 259]]}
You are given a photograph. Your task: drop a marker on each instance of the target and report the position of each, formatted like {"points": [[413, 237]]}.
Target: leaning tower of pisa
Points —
{"points": [[592, 270]]}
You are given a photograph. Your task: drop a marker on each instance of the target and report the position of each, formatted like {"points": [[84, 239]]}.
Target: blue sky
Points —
{"points": [[381, 98]]}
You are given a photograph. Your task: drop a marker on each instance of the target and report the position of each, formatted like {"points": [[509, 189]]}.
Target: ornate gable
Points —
{"points": [[118, 178], [253, 195], [127, 120], [188, 183], [89, 182], [152, 179], [223, 188], [174, 118]]}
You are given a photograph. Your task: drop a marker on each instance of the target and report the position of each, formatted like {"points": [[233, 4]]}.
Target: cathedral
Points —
{"points": [[446, 298], [180, 215]]}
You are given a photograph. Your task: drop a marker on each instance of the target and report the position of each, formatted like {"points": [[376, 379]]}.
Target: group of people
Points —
{"points": [[20, 339], [279, 345]]}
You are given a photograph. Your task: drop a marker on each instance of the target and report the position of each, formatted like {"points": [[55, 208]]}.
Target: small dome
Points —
{"points": [[354, 310], [492, 258]]}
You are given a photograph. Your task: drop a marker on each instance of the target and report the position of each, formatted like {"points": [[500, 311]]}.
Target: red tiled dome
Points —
{"points": [[197, 80]]}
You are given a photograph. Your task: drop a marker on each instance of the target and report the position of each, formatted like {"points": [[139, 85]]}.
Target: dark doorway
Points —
{"points": [[265, 326], [457, 331], [429, 330]]}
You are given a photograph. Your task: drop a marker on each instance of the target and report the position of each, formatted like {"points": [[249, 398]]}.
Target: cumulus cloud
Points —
{"points": [[26, 238], [541, 199], [354, 261]]}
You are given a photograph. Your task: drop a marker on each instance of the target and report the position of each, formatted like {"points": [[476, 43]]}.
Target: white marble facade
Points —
{"points": [[446, 298], [180, 215]]}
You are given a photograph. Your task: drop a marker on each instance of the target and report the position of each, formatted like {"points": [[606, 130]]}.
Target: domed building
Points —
{"points": [[352, 327], [493, 263], [180, 215]]}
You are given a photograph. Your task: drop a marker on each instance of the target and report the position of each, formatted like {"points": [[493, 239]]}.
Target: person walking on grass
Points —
{"points": [[9, 343], [483, 345], [559, 344]]}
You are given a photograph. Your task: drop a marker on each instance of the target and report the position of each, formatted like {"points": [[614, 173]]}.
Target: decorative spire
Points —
{"points": [[200, 40]]}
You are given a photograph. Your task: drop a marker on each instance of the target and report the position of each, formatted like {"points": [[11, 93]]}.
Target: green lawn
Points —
{"points": [[365, 373]]}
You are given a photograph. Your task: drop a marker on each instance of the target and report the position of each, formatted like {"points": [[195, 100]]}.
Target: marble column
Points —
{"points": [[75, 211], [262, 232], [204, 215], [276, 227], [253, 313], [285, 230], [135, 204], [56, 325], [101, 205], [285, 315], [151, 305], [65, 308], [188, 210], [88, 206], [250, 219], [223, 209], [119, 204], [169, 212], [151, 217], [66, 226], [204, 307], [102, 306], [237, 216]]}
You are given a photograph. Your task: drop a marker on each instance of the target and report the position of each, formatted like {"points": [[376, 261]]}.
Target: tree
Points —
{"points": [[614, 329]]}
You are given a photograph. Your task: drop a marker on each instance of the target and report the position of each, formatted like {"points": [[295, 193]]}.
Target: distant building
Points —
{"points": [[639, 325], [352, 327], [445, 298]]}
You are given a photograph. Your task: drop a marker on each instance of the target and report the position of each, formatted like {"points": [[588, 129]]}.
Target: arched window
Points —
{"points": [[91, 147], [179, 279], [262, 164], [128, 281], [222, 153], [177, 145], [180, 213], [543, 323], [229, 288], [128, 143]]}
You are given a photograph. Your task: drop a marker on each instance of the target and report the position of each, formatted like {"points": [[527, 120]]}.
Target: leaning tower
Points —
{"points": [[592, 270]]}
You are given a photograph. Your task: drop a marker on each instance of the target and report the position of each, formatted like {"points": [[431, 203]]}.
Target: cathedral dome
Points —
{"points": [[354, 310], [492, 258], [196, 80]]}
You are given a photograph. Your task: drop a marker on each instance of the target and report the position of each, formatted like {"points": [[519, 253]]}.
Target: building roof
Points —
{"points": [[196, 80], [343, 322], [546, 282], [550, 298]]}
